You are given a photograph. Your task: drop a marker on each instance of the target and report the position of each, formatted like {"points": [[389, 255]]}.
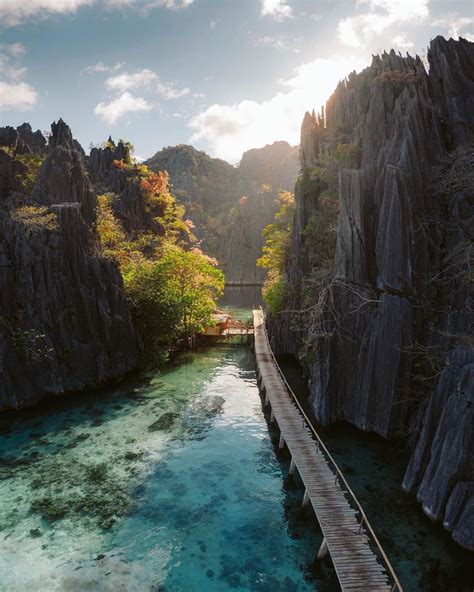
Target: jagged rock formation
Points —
{"points": [[64, 322], [129, 204], [398, 306], [23, 140], [211, 190]]}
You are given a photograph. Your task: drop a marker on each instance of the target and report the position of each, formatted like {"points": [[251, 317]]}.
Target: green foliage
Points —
{"points": [[36, 218], [275, 291], [347, 155], [130, 147], [320, 234], [277, 241], [173, 297], [32, 164], [173, 289]]}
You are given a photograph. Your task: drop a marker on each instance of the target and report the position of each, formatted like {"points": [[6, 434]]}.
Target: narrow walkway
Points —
{"points": [[353, 546]]}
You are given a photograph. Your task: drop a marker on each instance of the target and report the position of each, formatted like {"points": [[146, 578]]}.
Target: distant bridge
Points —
{"points": [[359, 560]]}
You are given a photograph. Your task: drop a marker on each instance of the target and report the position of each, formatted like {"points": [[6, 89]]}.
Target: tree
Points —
{"points": [[277, 241], [173, 297]]}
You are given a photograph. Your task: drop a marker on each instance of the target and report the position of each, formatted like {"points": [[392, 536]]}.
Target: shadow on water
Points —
{"points": [[423, 555], [243, 297]]}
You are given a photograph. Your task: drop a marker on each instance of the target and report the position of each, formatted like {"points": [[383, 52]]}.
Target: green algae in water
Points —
{"points": [[113, 505]]}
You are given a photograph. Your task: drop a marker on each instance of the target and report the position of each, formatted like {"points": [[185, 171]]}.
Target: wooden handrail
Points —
{"points": [[364, 522]]}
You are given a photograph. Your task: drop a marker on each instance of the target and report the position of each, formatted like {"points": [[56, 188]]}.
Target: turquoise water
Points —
{"points": [[169, 483], [173, 482], [423, 555]]}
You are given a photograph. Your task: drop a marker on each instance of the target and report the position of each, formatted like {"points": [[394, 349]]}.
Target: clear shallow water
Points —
{"points": [[423, 555], [168, 484]]}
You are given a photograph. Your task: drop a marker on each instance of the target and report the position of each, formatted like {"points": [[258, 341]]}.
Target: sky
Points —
{"points": [[222, 75]]}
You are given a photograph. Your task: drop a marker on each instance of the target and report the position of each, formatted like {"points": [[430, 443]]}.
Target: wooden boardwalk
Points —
{"points": [[358, 558]]}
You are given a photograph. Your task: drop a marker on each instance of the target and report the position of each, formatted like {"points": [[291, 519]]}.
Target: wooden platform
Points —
{"points": [[358, 564]]}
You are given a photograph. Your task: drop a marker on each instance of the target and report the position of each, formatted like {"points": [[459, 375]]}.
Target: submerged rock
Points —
{"points": [[165, 422]]}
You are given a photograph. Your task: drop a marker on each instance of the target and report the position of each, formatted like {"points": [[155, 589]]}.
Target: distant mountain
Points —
{"points": [[212, 190]]}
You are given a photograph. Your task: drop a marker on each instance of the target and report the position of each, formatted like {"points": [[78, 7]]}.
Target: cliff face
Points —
{"points": [[129, 203], [386, 339], [211, 190], [64, 321]]}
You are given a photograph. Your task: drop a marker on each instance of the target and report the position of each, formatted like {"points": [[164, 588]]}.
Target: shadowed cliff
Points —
{"points": [[385, 329], [64, 322], [229, 205]]}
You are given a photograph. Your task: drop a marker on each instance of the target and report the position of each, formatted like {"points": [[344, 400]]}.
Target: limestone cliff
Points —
{"points": [[212, 190], [386, 335], [64, 322]]}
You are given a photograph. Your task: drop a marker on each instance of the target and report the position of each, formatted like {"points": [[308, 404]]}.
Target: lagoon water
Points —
{"points": [[164, 483], [169, 483]]}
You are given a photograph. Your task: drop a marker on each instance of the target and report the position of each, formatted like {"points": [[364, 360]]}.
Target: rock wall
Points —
{"points": [[399, 302], [129, 203], [211, 190], [64, 321]]}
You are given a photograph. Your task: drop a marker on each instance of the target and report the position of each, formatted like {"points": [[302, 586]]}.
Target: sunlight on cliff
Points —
{"points": [[232, 129]]}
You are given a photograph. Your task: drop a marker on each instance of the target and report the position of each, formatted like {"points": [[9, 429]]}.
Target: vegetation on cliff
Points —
{"points": [[275, 251], [171, 285], [230, 205], [389, 290]]}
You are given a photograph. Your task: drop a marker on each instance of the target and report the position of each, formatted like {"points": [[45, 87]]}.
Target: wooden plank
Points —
{"points": [[355, 562]]}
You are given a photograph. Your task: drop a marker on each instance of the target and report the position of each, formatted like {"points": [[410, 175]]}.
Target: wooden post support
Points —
{"points": [[305, 501], [272, 416], [292, 467], [323, 549], [281, 443], [267, 400]]}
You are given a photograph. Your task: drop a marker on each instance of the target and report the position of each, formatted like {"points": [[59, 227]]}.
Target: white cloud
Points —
{"points": [[101, 67], [146, 79], [283, 43], [14, 93], [456, 26], [168, 91], [278, 9], [19, 96], [229, 130], [121, 106], [401, 42], [9, 71], [16, 50], [359, 30], [140, 79], [15, 12], [171, 4]]}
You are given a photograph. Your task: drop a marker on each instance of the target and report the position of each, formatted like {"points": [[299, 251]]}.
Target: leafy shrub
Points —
{"points": [[36, 218], [32, 164], [173, 297], [277, 241]]}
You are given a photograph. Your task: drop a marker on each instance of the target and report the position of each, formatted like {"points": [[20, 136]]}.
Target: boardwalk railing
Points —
{"points": [[338, 475]]}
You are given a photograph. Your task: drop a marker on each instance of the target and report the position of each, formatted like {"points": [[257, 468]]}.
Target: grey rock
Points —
{"points": [[64, 322], [407, 205]]}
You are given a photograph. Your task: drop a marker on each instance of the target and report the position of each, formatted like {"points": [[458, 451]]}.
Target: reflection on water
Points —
{"points": [[165, 484], [246, 297]]}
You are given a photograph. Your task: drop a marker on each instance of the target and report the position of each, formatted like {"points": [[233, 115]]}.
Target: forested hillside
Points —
{"points": [[228, 205]]}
